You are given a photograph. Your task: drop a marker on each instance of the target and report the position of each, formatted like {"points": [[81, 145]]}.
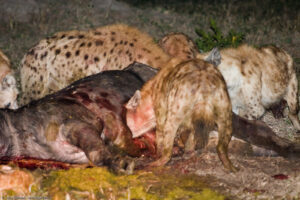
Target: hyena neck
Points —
{"points": [[154, 84]]}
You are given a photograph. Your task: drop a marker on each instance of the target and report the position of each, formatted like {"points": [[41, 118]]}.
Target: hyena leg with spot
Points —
{"points": [[224, 124], [253, 108], [291, 98], [224, 132], [166, 131]]}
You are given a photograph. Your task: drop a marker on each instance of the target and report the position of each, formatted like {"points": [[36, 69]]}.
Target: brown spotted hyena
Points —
{"points": [[256, 78], [57, 61], [177, 100]]}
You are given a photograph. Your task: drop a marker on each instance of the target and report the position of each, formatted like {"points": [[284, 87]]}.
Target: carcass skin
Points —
{"points": [[80, 124]]}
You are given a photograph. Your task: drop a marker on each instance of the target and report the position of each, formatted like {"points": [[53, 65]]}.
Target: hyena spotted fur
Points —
{"points": [[256, 78], [183, 98], [8, 86], [57, 61]]}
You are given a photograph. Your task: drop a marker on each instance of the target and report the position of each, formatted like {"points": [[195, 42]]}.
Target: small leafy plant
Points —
{"points": [[215, 38]]}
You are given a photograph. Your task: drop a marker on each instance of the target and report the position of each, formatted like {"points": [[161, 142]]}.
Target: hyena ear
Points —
{"points": [[214, 57], [134, 101]]}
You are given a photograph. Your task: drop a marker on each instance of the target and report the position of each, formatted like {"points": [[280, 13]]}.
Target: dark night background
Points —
{"points": [[23, 23]]}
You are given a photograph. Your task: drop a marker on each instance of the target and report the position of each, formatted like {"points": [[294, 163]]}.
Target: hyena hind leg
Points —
{"points": [[224, 124], [291, 98]]}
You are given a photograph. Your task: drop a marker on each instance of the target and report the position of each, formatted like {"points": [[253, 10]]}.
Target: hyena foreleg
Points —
{"points": [[253, 108], [291, 98]]}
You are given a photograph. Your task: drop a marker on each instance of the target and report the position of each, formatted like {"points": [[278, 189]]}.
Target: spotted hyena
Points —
{"points": [[8, 87], [256, 78], [57, 61], [183, 98]]}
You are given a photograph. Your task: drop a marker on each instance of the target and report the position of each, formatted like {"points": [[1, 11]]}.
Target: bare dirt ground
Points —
{"points": [[24, 24], [258, 177]]}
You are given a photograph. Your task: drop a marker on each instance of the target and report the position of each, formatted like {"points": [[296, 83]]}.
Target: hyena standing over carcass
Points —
{"points": [[8, 86], [184, 97], [256, 78], [59, 60]]}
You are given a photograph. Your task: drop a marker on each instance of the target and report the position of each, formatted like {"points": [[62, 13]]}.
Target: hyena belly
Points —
{"points": [[81, 123], [65, 57], [183, 96]]}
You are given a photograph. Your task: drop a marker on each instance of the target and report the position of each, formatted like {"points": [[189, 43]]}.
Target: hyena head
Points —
{"points": [[8, 86], [181, 46], [178, 45]]}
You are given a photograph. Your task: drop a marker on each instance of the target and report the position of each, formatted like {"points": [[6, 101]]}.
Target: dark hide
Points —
{"points": [[259, 134], [81, 123]]}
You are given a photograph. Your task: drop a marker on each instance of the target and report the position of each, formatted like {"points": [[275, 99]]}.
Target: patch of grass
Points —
{"points": [[215, 38], [101, 184]]}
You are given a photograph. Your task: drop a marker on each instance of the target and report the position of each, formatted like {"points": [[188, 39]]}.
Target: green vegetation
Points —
{"points": [[101, 184], [215, 38]]}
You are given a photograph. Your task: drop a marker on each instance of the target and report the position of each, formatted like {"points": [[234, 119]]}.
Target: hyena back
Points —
{"points": [[57, 61], [256, 79], [180, 97]]}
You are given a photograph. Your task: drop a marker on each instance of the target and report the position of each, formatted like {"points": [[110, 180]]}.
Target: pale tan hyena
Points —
{"points": [[256, 78], [8, 87], [57, 61], [184, 97]]}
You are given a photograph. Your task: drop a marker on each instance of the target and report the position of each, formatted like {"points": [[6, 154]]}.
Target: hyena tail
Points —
{"points": [[291, 96], [202, 129]]}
